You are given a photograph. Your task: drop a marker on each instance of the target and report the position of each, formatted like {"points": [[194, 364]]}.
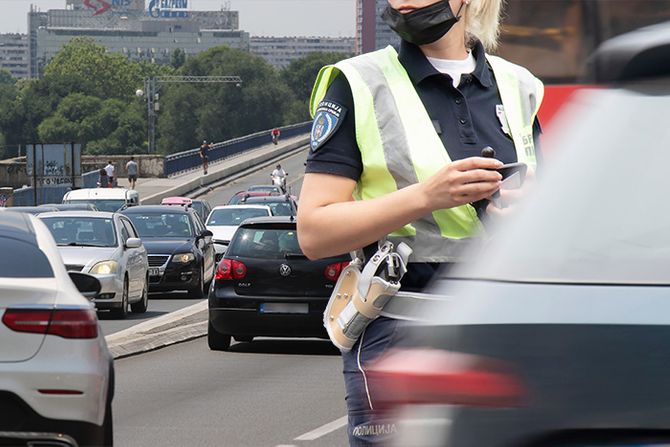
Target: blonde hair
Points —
{"points": [[482, 21]]}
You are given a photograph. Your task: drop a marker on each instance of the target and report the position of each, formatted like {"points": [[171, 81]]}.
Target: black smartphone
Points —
{"points": [[511, 168]]}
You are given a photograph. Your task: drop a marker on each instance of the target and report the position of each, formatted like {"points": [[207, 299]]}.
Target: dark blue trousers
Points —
{"points": [[366, 425]]}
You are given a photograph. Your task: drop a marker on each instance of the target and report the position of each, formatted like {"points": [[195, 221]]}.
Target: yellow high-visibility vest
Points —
{"points": [[399, 145]]}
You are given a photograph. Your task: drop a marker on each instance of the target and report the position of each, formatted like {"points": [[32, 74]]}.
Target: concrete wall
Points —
{"points": [[149, 165], [13, 173]]}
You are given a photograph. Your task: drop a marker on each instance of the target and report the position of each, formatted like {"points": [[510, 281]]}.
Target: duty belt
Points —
{"points": [[362, 291], [409, 306]]}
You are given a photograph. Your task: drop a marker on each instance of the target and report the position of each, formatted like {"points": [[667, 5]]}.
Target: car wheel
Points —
{"points": [[108, 427], [141, 306], [216, 340], [122, 312], [244, 338], [198, 292]]}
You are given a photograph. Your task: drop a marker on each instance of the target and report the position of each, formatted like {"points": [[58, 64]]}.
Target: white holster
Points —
{"points": [[362, 292]]}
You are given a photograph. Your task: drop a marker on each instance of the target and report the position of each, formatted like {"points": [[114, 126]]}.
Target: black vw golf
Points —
{"points": [[181, 254], [266, 286]]}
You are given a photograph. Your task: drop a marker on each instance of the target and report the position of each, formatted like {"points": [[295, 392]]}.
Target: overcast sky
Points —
{"points": [[335, 18]]}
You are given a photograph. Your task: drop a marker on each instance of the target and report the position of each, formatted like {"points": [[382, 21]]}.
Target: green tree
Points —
{"points": [[8, 94], [6, 77], [109, 126], [90, 70], [300, 76], [192, 112], [177, 58]]}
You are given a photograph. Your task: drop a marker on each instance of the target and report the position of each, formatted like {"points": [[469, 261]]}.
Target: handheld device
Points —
{"points": [[512, 168], [508, 169]]}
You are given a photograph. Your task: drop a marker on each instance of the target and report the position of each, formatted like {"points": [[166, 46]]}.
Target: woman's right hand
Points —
{"points": [[462, 182]]}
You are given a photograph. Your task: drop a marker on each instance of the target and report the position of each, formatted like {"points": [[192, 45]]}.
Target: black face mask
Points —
{"points": [[422, 26]]}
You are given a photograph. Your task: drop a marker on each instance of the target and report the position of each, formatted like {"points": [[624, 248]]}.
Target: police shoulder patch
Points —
{"points": [[327, 119]]}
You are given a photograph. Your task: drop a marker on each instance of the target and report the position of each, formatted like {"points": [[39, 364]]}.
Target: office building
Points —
{"points": [[126, 27], [281, 51], [15, 54], [372, 33]]}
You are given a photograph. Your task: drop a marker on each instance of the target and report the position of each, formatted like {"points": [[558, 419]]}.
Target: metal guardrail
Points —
{"points": [[90, 179], [190, 160], [26, 196]]}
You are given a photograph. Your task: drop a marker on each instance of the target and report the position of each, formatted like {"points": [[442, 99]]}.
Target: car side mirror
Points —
{"points": [[207, 236], [133, 242], [88, 285]]}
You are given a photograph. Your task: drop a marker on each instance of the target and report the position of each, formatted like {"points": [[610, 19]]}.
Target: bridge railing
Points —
{"points": [[190, 160]]}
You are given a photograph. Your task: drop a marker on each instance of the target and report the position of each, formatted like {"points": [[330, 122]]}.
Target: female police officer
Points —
{"points": [[395, 153]]}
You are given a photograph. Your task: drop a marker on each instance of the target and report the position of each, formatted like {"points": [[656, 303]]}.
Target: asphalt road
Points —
{"points": [[165, 303], [294, 167], [266, 393]]}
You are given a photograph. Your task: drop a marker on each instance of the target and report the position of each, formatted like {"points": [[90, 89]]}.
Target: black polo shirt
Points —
{"points": [[465, 118]]}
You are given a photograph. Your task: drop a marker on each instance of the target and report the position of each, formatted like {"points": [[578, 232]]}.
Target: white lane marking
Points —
{"points": [[323, 430], [284, 445]]}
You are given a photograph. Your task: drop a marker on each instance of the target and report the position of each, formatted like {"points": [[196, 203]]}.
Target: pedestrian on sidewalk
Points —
{"points": [[131, 167], [103, 180], [110, 173], [205, 147], [275, 135]]}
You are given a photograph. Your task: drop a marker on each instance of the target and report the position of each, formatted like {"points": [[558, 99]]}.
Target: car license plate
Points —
{"points": [[154, 271], [284, 308]]}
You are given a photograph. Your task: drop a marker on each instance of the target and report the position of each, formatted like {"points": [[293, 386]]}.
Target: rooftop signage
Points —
{"points": [[168, 8]]}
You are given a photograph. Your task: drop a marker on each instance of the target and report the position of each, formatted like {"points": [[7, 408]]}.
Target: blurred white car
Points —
{"points": [[106, 246], [56, 374], [224, 220]]}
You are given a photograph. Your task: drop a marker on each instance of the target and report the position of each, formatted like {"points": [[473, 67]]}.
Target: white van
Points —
{"points": [[105, 199]]}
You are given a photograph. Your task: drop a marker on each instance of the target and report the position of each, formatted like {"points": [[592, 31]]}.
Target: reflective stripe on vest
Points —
{"points": [[400, 147]]}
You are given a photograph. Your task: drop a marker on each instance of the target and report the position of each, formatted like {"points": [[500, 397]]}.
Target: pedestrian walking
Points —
{"points": [[110, 173], [103, 180], [205, 147], [131, 168], [402, 133], [275, 135]]}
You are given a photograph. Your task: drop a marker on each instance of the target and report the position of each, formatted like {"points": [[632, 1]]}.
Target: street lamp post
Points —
{"points": [[151, 87]]}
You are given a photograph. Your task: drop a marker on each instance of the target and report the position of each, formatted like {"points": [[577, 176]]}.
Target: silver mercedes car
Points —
{"points": [[105, 245]]}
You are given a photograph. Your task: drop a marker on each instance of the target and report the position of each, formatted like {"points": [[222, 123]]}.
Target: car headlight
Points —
{"points": [[183, 258], [105, 268]]}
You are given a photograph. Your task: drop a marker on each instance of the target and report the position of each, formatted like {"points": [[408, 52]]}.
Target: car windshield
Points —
{"points": [[162, 225], [597, 216], [199, 208], [32, 263], [82, 231], [234, 216], [266, 243], [281, 208], [110, 206]]}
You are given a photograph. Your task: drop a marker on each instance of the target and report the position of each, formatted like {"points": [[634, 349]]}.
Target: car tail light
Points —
{"points": [[239, 270], [66, 323], [431, 376], [230, 269], [332, 271]]}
